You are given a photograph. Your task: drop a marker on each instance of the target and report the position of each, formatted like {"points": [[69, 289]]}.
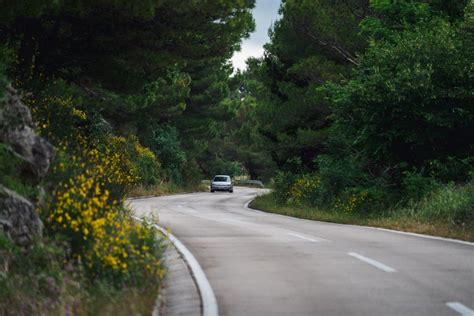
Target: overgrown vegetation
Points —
{"points": [[122, 91], [446, 212], [359, 111], [366, 107]]}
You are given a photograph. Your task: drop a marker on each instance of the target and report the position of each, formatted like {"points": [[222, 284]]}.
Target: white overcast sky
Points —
{"points": [[264, 13]]}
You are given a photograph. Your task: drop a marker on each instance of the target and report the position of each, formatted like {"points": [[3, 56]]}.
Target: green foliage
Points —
{"points": [[282, 183], [221, 166], [313, 42], [10, 174], [408, 102], [165, 142], [102, 78], [192, 174], [133, 64], [377, 110], [416, 185], [37, 282], [450, 203], [147, 165]]}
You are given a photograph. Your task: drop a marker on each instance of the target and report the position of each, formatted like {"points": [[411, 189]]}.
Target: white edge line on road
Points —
{"points": [[463, 242], [372, 262], [303, 237], [247, 204], [209, 302], [460, 308], [422, 236]]}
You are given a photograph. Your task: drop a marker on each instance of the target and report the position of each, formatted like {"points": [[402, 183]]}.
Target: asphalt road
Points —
{"points": [[265, 264]]}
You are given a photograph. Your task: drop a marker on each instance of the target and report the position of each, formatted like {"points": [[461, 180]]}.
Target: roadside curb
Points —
{"points": [[207, 296], [156, 195], [457, 241]]}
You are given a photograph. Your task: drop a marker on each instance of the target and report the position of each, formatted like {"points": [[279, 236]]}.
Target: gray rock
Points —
{"points": [[17, 131], [18, 218]]}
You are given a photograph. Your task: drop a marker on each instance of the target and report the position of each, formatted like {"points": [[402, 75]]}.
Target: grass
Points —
{"points": [[418, 219], [10, 168], [165, 189], [128, 301], [39, 283]]}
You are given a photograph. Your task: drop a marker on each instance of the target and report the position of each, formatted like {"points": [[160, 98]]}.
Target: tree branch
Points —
{"points": [[337, 48]]}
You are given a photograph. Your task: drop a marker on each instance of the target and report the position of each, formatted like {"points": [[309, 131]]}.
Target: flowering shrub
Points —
{"points": [[351, 202], [58, 115], [368, 200], [283, 181], [102, 235], [88, 183], [304, 189], [147, 165]]}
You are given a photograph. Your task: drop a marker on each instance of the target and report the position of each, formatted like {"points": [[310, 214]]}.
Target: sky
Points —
{"points": [[264, 13]]}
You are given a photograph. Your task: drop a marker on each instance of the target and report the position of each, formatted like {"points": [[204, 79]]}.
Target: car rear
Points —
{"points": [[222, 183]]}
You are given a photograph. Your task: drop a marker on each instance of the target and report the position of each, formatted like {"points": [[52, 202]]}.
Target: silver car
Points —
{"points": [[222, 183]]}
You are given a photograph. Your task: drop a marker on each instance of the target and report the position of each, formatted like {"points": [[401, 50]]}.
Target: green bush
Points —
{"points": [[191, 172], [165, 143], [39, 281], [281, 186], [306, 190], [363, 200], [415, 185], [451, 203], [223, 166], [452, 169], [147, 165], [337, 175], [10, 171]]}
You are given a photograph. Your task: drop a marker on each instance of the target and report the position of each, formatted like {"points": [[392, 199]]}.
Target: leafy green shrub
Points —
{"points": [[191, 172], [338, 174], [282, 183], [224, 166], [306, 189], [451, 203], [58, 113], [363, 200], [166, 145], [147, 165], [85, 208], [452, 169], [416, 185], [38, 282], [10, 172]]}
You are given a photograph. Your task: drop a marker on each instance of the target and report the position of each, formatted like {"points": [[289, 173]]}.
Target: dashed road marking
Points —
{"points": [[307, 238], [372, 262], [460, 308], [303, 237]]}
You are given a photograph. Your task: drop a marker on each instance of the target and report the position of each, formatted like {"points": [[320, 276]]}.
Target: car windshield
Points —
{"points": [[221, 179]]}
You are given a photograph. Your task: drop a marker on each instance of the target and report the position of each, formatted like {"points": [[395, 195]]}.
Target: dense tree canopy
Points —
{"points": [[373, 97], [137, 64], [314, 42]]}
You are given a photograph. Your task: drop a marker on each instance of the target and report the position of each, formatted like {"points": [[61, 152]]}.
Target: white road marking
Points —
{"points": [[303, 237], [372, 262], [208, 298], [460, 308], [360, 226]]}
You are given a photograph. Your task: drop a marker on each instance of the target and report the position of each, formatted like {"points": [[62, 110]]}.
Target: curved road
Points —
{"points": [[265, 264]]}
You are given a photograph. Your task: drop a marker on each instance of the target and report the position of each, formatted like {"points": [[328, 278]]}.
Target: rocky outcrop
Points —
{"points": [[17, 131], [18, 218]]}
